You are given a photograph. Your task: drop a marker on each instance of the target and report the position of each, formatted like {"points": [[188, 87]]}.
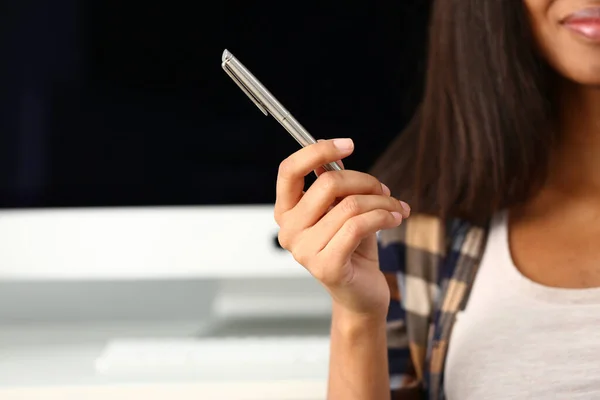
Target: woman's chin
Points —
{"points": [[584, 74]]}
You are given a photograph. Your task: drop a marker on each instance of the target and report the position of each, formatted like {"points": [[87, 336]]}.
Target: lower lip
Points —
{"points": [[588, 28]]}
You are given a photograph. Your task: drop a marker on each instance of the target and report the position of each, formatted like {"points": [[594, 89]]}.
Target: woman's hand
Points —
{"points": [[331, 228]]}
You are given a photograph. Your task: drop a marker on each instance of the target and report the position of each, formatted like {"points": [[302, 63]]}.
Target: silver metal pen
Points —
{"points": [[267, 103]]}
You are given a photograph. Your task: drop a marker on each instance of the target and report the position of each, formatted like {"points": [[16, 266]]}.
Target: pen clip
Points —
{"points": [[254, 99]]}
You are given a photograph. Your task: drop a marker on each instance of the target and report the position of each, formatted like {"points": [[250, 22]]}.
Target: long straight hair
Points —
{"points": [[481, 137]]}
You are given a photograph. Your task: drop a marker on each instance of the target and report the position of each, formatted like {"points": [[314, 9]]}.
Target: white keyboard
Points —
{"points": [[251, 358]]}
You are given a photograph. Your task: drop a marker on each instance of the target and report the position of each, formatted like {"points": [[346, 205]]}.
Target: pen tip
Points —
{"points": [[226, 55]]}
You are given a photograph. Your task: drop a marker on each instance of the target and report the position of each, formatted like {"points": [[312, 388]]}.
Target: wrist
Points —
{"points": [[348, 322]]}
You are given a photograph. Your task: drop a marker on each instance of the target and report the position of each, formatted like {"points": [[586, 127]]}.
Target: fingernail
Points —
{"points": [[386, 190], [405, 206], [343, 144], [397, 216]]}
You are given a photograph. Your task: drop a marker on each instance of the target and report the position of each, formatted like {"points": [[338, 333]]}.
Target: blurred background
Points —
{"points": [[137, 244]]}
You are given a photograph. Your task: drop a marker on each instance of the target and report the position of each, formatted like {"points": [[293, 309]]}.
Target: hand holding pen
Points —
{"points": [[331, 228]]}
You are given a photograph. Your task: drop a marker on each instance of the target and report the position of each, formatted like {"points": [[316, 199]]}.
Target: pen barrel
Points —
{"points": [[296, 130], [268, 104], [304, 138]]}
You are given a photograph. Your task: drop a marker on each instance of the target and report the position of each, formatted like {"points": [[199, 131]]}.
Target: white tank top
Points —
{"points": [[517, 339]]}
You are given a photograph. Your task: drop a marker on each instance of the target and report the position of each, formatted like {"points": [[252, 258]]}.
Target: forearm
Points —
{"points": [[358, 368]]}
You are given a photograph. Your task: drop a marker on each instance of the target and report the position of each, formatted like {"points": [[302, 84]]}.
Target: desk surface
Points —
{"points": [[57, 362], [308, 390]]}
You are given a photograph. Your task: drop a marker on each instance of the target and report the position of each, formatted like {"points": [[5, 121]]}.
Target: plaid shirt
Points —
{"points": [[430, 266]]}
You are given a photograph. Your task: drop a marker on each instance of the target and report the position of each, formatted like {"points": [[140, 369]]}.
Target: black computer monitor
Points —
{"points": [[112, 103]]}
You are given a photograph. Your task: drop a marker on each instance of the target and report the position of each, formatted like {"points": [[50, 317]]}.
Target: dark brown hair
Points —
{"points": [[480, 138]]}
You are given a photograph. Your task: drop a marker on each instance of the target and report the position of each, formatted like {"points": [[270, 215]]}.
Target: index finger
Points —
{"points": [[290, 179]]}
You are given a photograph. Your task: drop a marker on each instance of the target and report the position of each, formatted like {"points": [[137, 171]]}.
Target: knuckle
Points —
{"points": [[350, 205], [286, 167], [353, 227], [301, 252], [282, 218], [283, 242], [284, 239], [329, 181], [301, 258], [277, 218]]}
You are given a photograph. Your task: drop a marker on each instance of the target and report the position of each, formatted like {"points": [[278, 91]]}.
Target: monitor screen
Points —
{"points": [[112, 103]]}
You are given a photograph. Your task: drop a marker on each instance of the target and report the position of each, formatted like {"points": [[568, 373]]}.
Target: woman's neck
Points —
{"points": [[575, 163]]}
